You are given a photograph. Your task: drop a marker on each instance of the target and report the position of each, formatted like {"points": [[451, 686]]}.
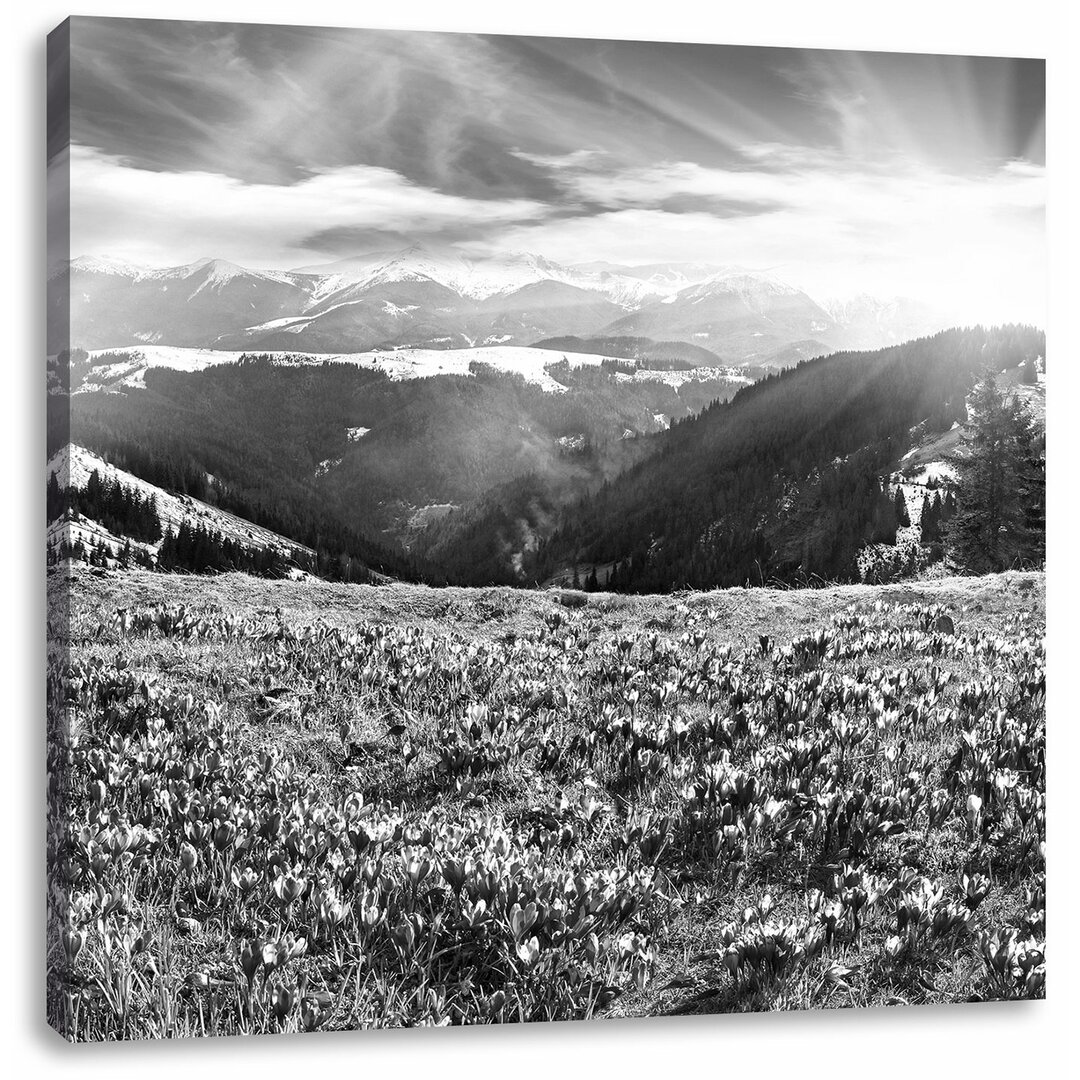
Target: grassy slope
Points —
{"points": [[493, 612], [688, 977]]}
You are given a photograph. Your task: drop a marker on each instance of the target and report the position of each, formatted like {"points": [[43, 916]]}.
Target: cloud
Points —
{"points": [[972, 244], [281, 145], [975, 244], [156, 217], [834, 83], [808, 179], [576, 159], [257, 103]]}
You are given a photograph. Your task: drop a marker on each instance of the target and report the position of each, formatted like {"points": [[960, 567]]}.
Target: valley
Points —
{"points": [[524, 465]]}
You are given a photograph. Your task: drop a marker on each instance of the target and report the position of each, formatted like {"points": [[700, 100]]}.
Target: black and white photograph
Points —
{"points": [[539, 529]]}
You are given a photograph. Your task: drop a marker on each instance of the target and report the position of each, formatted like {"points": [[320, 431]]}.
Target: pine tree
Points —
{"points": [[54, 499], [882, 529], [93, 488], [903, 518], [930, 519], [166, 559], [1031, 490], [948, 507], [1000, 480]]}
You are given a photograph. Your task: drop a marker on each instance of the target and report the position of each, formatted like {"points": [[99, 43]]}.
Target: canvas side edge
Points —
{"points": [[59, 1003]]}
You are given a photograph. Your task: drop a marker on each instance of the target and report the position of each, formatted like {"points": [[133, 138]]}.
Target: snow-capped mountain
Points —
{"points": [[477, 279], [871, 321], [89, 264], [112, 304], [665, 279], [206, 271], [742, 317], [419, 297]]}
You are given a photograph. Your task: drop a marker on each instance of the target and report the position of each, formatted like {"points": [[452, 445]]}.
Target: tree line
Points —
{"points": [[119, 509], [134, 517]]}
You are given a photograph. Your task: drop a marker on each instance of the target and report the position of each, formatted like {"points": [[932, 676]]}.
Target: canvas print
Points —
{"points": [[539, 529]]}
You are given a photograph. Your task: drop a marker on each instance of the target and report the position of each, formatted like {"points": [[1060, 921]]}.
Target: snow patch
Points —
{"points": [[73, 464], [294, 324], [936, 472], [678, 378], [126, 368]]}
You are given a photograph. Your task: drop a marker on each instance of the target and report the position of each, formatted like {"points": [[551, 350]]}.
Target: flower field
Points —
{"points": [[267, 820]]}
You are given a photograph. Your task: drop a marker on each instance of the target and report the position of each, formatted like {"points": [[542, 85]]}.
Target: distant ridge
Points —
{"points": [[419, 297]]}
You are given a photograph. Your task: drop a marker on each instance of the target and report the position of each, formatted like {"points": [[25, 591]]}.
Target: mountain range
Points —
{"points": [[419, 298]]}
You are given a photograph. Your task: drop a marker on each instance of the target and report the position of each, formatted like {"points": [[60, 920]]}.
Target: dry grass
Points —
{"points": [[742, 614]]}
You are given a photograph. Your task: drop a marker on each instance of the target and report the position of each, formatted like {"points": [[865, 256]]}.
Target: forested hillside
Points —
{"points": [[346, 459], [782, 483], [226, 438], [660, 354]]}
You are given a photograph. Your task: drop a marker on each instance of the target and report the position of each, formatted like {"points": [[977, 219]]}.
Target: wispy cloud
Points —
{"points": [[576, 159], [142, 215], [272, 145], [835, 86]]}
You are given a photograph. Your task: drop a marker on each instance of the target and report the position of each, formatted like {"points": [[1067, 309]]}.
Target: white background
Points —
{"points": [[988, 1041]]}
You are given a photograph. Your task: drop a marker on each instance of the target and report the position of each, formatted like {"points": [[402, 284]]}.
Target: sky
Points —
{"points": [[840, 172]]}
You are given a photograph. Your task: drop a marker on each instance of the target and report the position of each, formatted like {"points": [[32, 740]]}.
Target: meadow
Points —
{"points": [[294, 806]]}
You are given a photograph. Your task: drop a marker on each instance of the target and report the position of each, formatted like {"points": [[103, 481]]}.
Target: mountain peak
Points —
{"points": [[217, 267], [92, 264], [754, 289]]}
